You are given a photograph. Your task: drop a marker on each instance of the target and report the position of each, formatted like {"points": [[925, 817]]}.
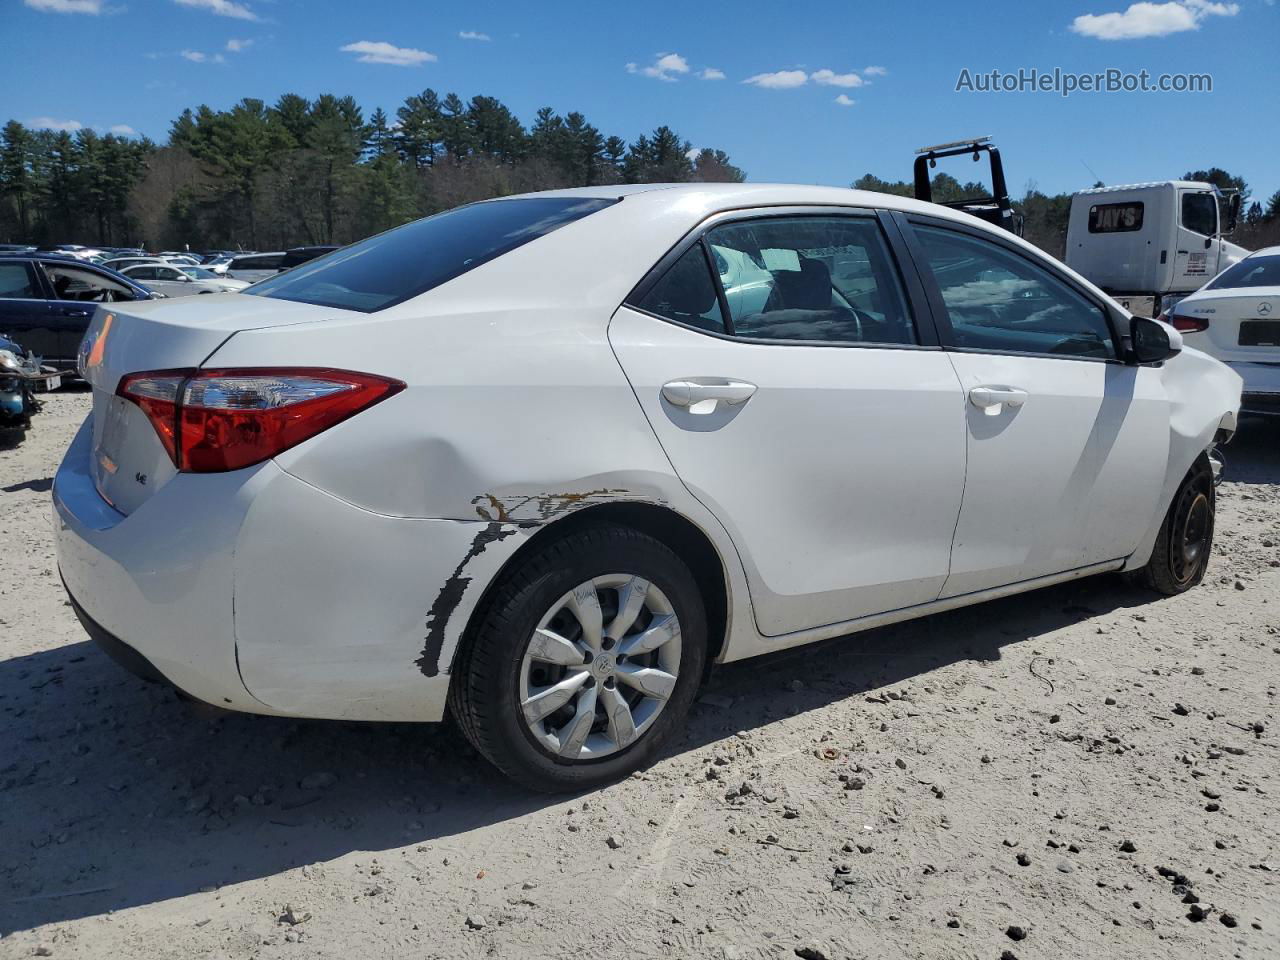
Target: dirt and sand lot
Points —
{"points": [[1086, 771]]}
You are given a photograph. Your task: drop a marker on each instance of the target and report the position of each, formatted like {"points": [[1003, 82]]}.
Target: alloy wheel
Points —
{"points": [[600, 667]]}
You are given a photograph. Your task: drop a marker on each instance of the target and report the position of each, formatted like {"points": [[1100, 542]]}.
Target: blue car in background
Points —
{"points": [[46, 302]]}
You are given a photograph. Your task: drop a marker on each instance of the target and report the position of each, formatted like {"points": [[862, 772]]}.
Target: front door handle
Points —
{"points": [[74, 312], [991, 399], [692, 392]]}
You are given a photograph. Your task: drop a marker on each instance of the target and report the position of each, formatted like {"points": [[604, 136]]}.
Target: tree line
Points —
{"points": [[318, 171], [312, 171]]}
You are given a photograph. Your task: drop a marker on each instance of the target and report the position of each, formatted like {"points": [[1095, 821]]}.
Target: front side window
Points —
{"points": [[1250, 272], [142, 273], [1200, 213], [686, 294], [998, 300], [813, 279], [392, 267], [17, 282], [84, 286]]}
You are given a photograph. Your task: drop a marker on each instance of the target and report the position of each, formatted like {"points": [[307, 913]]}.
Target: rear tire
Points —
{"points": [[626, 698], [1185, 541]]}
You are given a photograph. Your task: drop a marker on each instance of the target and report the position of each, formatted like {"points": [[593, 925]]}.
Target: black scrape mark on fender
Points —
{"points": [[450, 596]]}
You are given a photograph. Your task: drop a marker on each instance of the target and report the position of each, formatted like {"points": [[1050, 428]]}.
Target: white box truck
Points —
{"points": [[1150, 244]]}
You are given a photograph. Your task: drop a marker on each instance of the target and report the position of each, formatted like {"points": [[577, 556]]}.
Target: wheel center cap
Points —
{"points": [[604, 664]]}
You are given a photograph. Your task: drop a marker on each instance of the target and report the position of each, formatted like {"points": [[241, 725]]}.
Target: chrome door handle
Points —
{"points": [[991, 400], [688, 393]]}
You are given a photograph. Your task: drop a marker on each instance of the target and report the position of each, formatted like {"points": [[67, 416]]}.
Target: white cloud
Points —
{"points": [[223, 8], [379, 51], [123, 130], [711, 73], [781, 80], [236, 46], [666, 67], [875, 71], [66, 6], [473, 35], [1151, 19], [195, 56], [49, 123], [692, 153], [829, 78], [845, 101]]}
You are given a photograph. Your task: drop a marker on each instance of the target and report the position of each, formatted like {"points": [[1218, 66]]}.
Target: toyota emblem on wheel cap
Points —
{"points": [[1264, 308]]}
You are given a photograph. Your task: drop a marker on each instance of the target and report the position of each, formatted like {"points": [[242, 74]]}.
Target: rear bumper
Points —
{"points": [[1261, 392], [255, 591]]}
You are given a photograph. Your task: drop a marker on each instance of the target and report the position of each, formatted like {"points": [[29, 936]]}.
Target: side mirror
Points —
{"points": [[1233, 212], [1151, 341]]}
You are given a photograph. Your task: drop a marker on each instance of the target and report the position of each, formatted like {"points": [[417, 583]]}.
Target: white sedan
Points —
{"points": [[181, 281], [1236, 318], [529, 462]]}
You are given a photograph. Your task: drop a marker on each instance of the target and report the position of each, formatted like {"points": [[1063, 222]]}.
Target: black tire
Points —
{"points": [[484, 697], [1185, 541]]}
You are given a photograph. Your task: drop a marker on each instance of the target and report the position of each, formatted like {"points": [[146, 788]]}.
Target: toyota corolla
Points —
{"points": [[540, 461]]}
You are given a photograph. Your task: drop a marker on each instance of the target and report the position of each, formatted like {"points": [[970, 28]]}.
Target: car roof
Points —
{"points": [[1265, 252]]}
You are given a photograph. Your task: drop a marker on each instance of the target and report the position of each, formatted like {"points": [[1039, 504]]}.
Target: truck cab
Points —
{"points": [[1150, 244]]}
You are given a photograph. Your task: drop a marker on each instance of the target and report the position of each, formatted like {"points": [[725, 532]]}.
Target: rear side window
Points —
{"points": [[1200, 213], [263, 262], [17, 282], [811, 279], [686, 294], [407, 261], [1250, 272]]}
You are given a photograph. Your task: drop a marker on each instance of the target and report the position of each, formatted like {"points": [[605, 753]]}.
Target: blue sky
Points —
{"points": [[136, 64]]}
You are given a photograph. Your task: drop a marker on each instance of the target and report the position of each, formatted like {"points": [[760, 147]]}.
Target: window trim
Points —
{"points": [[913, 292], [942, 317]]}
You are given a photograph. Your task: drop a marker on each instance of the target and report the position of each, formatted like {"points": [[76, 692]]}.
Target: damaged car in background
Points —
{"points": [[540, 461], [21, 374]]}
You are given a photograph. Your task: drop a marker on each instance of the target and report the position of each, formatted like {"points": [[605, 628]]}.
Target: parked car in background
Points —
{"points": [[258, 266], [1235, 317], [18, 372], [46, 302], [528, 461], [76, 250], [132, 260], [16, 248], [181, 281], [252, 267]]}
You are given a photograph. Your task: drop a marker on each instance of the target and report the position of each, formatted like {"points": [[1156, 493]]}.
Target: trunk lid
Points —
{"points": [[130, 463], [1244, 323]]}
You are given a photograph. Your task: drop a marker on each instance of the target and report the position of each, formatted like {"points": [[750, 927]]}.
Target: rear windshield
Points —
{"points": [[1250, 272], [402, 263]]}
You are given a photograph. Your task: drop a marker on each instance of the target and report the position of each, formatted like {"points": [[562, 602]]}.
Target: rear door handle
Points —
{"points": [[691, 392], [991, 399]]}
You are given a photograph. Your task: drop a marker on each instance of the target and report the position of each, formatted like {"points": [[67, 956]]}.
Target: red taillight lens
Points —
{"points": [[216, 420], [1187, 324]]}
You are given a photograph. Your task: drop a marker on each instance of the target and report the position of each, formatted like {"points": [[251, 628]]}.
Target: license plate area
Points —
{"points": [[1260, 333]]}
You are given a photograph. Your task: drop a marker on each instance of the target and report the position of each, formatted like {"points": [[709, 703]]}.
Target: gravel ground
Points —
{"points": [[1086, 771]]}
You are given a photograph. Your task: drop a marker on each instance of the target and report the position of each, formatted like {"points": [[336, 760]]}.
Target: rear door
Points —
{"points": [[25, 314], [798, 390], [1067, 445]]}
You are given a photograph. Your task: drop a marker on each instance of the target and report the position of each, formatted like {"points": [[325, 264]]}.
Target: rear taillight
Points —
{"points": [[1188, 324], [215, 420]]}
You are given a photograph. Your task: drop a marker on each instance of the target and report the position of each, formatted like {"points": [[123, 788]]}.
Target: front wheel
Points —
{"points": [[584, 662], [1185, 541]]}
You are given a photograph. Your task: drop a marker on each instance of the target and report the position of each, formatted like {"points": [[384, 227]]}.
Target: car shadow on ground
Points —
{"points": [[1253, 455], [115, 793]]}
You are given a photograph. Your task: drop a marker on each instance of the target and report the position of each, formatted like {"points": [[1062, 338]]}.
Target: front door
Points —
{"points": [[1067, 445], [783, 369]]}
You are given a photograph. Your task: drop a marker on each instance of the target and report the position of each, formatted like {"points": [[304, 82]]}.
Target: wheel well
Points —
{"points": [[683, 537]]}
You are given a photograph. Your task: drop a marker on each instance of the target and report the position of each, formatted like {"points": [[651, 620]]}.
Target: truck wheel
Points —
{"points": [[585, 661], [1185, 540]]}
